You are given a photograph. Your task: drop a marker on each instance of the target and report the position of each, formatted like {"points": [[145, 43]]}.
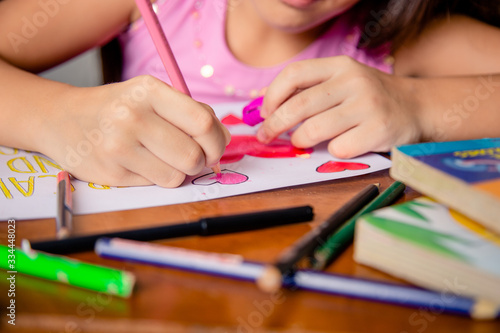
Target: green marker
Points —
{"points": [[66, 270], [343, 237]]}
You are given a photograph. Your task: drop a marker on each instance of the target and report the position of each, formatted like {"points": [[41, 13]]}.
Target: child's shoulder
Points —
{"points": [[434, 52], [458, 28]]}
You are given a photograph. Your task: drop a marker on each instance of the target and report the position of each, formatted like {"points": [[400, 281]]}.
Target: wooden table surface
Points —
{"points": [[168, 300]]}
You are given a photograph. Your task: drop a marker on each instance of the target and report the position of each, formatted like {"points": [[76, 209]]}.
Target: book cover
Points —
{"points": [[464, 175], [431, 246]]}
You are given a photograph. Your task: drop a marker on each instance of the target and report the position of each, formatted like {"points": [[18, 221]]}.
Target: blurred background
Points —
{"points": [[82, 71]]}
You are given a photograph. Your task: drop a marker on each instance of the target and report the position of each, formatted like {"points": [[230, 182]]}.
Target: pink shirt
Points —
{"points": [[196, 33]]}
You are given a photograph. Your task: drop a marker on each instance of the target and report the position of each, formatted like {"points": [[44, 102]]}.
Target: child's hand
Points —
{"points": [[137, 132], [358, 108]]}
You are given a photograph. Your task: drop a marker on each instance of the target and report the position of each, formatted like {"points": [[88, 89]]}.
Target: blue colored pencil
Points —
{"points": [[233, 266]]}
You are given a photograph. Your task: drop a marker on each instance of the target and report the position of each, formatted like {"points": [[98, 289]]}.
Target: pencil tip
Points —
{"points": [[62, 233], [270, 280], [216, 169]]}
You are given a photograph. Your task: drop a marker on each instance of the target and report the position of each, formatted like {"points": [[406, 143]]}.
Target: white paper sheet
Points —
{"points": [[28, 180]]}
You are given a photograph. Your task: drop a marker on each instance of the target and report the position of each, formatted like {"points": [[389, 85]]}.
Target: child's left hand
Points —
{"points": [[358, 108]]}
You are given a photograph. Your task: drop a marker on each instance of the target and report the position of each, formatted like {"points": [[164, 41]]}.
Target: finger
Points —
{"points": [[170, 144], [129, 178], [212, 136], [305, 104], [352, 143], [143, 164], [294, 78], [324, 126], [108, 165], [227, 134], [109, 174], [196, 120]]}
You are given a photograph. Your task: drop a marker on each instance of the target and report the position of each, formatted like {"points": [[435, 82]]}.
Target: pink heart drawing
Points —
{"points": [[335, 166], [227, 177]]}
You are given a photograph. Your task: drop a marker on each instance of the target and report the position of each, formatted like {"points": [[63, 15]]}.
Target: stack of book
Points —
{"points": [[448, 241]]}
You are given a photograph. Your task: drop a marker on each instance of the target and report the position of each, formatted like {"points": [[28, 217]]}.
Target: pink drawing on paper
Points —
{"points": [[242, 145], [335, 166], [231, 119], [226, 177]]}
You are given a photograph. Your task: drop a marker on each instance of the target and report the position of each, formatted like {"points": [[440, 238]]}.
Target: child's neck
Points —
{"points": [[257, 44]]}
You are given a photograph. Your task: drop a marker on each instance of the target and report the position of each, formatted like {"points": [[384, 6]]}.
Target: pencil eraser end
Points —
{"points": [[485, 310], [251, 112], [270, 280]]}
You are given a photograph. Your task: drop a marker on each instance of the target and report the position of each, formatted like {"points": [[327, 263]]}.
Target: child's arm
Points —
{"points": [[131, 133], [37, 35], [458, 65], [360, 109]]}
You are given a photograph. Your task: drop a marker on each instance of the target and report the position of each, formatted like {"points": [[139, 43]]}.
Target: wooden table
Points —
{"points": [[167, 300]]}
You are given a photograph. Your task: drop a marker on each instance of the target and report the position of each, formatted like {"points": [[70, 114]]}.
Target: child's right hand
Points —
{"points": [[137, 132]]}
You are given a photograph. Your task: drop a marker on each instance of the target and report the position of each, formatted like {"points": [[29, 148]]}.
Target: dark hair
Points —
{"points": [[400, 20]]}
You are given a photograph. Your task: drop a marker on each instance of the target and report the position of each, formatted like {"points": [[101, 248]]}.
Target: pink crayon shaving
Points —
{"points": [[251, 112]]}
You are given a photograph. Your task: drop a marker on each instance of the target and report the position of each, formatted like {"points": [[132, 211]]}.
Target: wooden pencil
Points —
{"points": [[235, 267], [344, 236], [272, 277], [164, 50]]}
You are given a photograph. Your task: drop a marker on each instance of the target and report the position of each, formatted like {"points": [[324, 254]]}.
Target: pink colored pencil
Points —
{"points": [[162, 46], [165, 52]]}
